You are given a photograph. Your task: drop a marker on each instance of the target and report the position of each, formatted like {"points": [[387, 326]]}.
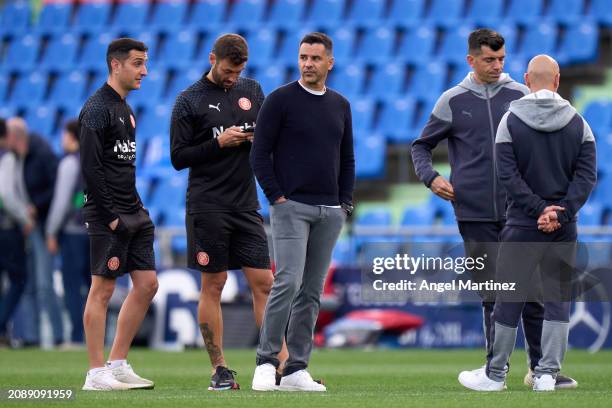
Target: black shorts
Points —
{"points": [[218, 241], [128, 248]]}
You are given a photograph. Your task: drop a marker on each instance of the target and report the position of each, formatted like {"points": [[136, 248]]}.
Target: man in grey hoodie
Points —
{"points": [[467, 115], [545, 154], [15, 223]]}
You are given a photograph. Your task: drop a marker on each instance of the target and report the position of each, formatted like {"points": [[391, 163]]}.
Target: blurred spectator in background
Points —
{"points": [[15, 222], [39, 169], [66, 222]]}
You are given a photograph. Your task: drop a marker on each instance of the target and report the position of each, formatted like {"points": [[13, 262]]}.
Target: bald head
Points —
{"points": [[542, 73], [17, 135]]}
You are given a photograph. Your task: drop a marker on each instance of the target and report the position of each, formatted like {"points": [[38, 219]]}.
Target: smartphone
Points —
{"points": [[249, 129]]}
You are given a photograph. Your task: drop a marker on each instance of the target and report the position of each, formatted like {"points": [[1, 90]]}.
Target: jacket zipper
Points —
{"points": [[495, 214]]}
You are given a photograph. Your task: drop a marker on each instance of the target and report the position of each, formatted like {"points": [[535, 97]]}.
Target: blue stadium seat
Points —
{"points": [[327, 13], [344, 44], [7, 111], [287, 13], [93, 56], [247, 13], [509, 32], [591, 214], [445, 13], [566, 11], [21, 54], [262, 43], [485, 12], [418, 44], [363, 114], [377, 45], [263, 202], [157, 155], [151, 40], [3, 89], [131, 15], [169, 15], [428, 81], [207, 13], [525, 11], [601, 10], [15, 18], [170, 192], [152, 90], [539, 38], [423, 111], [182, 80], [454, 46], [375, 217], [370, 154], [92, 17], [422, 215], [579, 44], [366, 13], [598, 114], [406, 13], [288, 50], [155, 121], [54, 17], [443, 209], [270, 78], [29, 90], [68, 88], [516, 68], [387, 81], [41, 119], [179, 49], [61, 52], [396, 120], [460, 71], [348, 79]]}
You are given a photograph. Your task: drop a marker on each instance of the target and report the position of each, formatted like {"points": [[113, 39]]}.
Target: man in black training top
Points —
{"points": [[303, 158], [210, 134], [119, 228]]}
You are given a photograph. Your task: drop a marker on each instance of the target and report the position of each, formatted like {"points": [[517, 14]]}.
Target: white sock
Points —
{"points": [[96, 370], [115, 363]]}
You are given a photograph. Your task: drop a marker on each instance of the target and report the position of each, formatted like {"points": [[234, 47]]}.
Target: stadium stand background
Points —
{"points": [[393, 59]]}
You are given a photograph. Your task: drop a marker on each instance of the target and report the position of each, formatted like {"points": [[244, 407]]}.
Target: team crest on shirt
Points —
{"points": [[203, 258], [244, 103], [133, 121], [113, 263]]}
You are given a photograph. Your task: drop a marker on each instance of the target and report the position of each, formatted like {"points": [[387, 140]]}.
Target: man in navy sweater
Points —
{"points": [[303, 158], [546, 158]]}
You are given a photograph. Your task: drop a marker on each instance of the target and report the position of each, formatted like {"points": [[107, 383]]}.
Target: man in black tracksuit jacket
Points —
{"points": [[467, 115], [546, 161]]}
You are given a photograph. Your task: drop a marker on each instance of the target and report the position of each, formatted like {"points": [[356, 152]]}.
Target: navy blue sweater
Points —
{"points": [[545, 155], [39, 173], [303, 147], [468, 115]]}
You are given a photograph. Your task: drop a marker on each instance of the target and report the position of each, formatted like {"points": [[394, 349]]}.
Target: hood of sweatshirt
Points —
{"points": [[482, 90], [544, 111]]}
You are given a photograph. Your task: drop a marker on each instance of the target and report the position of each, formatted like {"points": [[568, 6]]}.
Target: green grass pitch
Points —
{"points": [[355, 378]]}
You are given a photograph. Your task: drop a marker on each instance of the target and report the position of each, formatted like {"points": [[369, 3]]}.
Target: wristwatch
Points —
{"points": [[348, 208]]}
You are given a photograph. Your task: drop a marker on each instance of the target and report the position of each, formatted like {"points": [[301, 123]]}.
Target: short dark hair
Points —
{"points": [[484, 36], [2, 128], [120, 48], [319, 38], [233, 47], [72, 127]]}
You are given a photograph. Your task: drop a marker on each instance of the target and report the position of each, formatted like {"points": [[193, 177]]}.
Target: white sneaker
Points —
{"points": [[300, 381], [104, 380], [477, 380], [544, 383], [264, 378], [126, 375]]}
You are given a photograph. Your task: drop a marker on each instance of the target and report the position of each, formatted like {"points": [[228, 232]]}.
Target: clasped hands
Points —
{"points": [[548, 221]]}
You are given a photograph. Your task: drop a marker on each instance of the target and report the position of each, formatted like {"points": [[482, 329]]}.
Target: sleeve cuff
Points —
{"points": [[431, 178]]}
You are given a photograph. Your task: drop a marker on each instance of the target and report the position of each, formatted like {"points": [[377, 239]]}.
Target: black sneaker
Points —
{"points": [[563, 382], [223, 379]]}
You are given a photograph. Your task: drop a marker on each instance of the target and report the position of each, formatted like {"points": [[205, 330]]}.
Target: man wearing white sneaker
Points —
{"points": [[303, 158], [546, 161], [119, 228]]}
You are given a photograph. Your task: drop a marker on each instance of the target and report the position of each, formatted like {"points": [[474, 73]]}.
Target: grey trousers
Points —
{"points": [[303, 237]]}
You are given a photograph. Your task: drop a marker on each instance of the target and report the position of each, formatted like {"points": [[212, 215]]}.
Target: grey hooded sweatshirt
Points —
{"points": [[468, 115], [545, 155]]}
